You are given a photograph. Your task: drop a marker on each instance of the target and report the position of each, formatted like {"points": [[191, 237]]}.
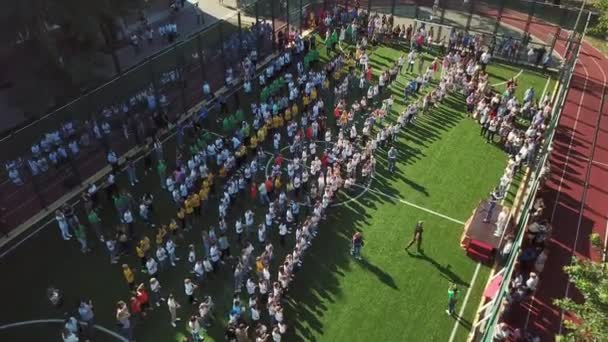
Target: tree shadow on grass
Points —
{"points": [[384, 277], [445, 270]]}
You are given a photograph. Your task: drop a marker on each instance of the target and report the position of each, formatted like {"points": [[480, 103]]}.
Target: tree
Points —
{"points": [[601, 27], [591, 280]]}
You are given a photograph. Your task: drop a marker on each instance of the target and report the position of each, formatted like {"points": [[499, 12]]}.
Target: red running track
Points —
{"points": [[576, 198]]}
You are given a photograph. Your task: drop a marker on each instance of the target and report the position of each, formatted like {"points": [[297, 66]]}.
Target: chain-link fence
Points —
{"points": [[57, 153]]}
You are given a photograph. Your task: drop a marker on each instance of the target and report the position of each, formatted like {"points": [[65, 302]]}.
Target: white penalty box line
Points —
{"points": [[414, 205]]}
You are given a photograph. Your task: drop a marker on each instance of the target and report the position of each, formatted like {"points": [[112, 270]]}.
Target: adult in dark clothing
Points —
{"points": [[418, 230]]}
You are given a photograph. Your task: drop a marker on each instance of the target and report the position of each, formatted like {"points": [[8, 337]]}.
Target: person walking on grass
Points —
{"points": [[81, 235], [189, 288], [392, 159], [161, 169], [195, 328], [95, 223], [418, 230], [64, 227], [452, 299], [358, 243], [155, 294], [87, 316], [123, 318], [173, 305]]}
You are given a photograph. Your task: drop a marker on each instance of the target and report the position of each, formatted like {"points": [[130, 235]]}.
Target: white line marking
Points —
{"points": [[56, 320], [505, 82], [378, 192], [599, 163], [464, 303]]}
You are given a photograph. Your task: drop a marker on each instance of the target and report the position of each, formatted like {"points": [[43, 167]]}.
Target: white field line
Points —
{"points": [[505, 82], [464, 303], [378, 192], [56, 320]]}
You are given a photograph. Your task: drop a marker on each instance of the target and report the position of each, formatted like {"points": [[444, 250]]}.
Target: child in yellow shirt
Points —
{"points": [[196, 203], [288, 114], [280, 120], [253, 142], [294, 110], [275, 121], [204, 194], [173, 227], [127, 272], [160, 235], [223, 172]]}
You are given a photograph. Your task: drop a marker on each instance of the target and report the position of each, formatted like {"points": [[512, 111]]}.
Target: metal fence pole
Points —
{"points": [[201, 55], [301, 15], [393, 5], [530, 16], [288, 16], [258, 40], [154, 82], [470, 17], [222, 48], [180, 63], [416, 14], [238, 17], [441, 19], [499, 18], [369, 7], [559, 30], [272, 3]]}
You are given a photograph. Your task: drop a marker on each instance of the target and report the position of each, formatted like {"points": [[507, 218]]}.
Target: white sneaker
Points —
{"points": [[448, 312], [173, 324]]}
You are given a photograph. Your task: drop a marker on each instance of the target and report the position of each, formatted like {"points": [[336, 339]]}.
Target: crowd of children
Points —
{"points": [[294, 163]]}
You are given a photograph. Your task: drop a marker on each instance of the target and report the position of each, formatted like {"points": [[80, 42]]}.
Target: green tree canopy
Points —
{"points": [[601, 26], [591, 322]]}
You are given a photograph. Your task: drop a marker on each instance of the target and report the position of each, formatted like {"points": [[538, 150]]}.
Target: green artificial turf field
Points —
{"points": [[444, 168]]}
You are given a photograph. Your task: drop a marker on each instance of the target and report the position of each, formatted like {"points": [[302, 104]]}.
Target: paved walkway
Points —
{"points": [[189, 19]]}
